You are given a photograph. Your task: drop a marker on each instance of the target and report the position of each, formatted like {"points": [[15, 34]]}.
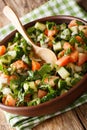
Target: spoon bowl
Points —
{"points": [[45, 54]]}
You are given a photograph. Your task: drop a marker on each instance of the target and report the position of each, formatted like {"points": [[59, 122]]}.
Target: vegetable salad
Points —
{"points": [[26, 80]]}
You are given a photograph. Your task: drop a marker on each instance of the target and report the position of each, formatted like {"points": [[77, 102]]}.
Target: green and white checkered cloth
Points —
{"points": [[52, 7]]}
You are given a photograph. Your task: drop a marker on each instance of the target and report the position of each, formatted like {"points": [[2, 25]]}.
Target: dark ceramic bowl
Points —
{"points": [[59, 102]]}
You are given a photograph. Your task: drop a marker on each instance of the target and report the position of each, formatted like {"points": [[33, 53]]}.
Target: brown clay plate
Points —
{"points": [[59, 102]]}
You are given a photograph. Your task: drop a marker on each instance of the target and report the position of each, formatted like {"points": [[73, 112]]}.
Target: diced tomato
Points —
{"points": [[50, 32], [19, 64], [46, 32], [8, 77], [41, 93], [67, 46], [9, 100], [50, 44], [82, 58], [27, 97], [72, 23], [2, 49], [79, 39], [12, 77], [50, 80], [63, 60], [74, 56], [4, 76], [35, 65]]}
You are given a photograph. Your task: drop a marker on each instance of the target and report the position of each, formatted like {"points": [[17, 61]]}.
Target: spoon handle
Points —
{"points": [[9, 13]]}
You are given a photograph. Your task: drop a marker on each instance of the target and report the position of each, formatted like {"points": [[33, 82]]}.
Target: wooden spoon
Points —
{"points": [[46, 54]]}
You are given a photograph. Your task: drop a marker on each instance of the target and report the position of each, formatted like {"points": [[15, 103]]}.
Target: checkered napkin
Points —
{"points": [[52, 7]]}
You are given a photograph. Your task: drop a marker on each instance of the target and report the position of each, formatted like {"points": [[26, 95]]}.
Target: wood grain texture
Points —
{"points": [[66, 121], [82, 114], [21, 7], [72, 120]]}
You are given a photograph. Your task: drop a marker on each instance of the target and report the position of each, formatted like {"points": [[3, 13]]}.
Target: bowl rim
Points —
{"points": [[75, 87]]}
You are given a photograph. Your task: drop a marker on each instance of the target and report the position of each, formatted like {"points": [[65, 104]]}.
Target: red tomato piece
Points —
{"points": [[67, 45], [63, 61], [74, 56]]}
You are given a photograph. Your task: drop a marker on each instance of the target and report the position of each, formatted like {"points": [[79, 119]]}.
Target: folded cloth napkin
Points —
{"points": [[52, 7]]}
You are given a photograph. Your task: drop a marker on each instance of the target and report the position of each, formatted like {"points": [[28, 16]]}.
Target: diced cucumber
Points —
{"points": [[73, 40], [64, 91], [13, 86], [31, 85], [74, 30], [62, 26], [42, 39], [40, 26], [34, 102], [75, 80], [63, 73], [6, 91], [12, 53], [78, 68], [26, 59], [65, 34], [35, 95], [76, 75], [57, 46], [8, 57], [68, 81], [61, 84]]}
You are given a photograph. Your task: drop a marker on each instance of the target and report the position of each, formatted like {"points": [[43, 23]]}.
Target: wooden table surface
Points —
{"points": [[72, 120]]}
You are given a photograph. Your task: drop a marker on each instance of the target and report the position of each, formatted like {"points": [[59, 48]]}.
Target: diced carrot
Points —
{"points": [[41, 93], [74, 56], [82, 58], [35, 65], [72, 23], [79, 39], [9, 100], [2, 50], [63, 60]]}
